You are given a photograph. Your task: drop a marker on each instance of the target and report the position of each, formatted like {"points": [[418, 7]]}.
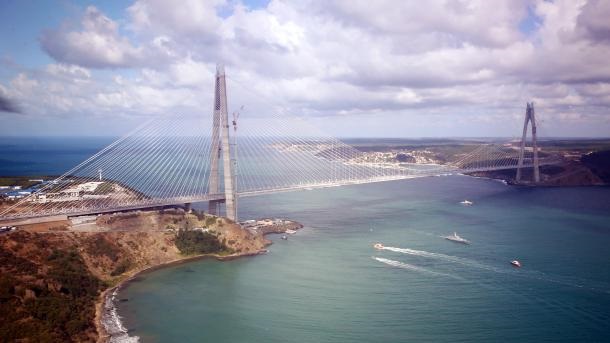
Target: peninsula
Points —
{"points": [[55, 276]]}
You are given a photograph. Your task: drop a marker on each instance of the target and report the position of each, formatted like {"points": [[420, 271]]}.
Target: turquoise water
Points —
{"points": [[327, 283]]}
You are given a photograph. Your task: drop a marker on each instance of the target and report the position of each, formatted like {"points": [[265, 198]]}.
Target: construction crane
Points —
{"points": [[234, 159], [235, 117]]}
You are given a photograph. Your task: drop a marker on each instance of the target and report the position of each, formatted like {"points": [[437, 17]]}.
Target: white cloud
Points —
{"points": [[381, 58], [188, 72], [97, 43], [190, 17], [593, 21], [479, 22]]}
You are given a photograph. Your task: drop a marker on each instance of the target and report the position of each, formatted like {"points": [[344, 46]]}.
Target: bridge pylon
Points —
{"points": [[221, 149], [530, 116]]}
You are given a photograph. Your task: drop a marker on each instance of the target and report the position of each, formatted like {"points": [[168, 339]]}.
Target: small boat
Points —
{"points": [[378, 246], [516, 263], [284, 237], [291, 232], [466, 203], [457, 239]]}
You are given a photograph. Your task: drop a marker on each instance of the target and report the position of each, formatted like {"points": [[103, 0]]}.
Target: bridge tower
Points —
{"points": [[530, 116], [221, 149]]}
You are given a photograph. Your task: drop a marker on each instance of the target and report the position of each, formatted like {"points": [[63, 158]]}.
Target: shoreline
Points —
{"points": [[105, 310]]}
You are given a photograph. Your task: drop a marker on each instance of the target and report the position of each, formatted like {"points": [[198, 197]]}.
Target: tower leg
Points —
{"points": [[522, 148], [213, 186], [529, 116], [221, 148], [535, 144], [227, 165]]}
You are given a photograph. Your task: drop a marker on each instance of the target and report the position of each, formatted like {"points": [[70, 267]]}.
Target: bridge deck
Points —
{"points": [[159, 203]]}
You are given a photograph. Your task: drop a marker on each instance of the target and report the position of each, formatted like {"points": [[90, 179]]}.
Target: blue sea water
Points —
{"points": [[46, 156], [328, 284]]}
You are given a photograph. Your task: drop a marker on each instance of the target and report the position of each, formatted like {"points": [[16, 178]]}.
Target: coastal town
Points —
{"points": [[25, 195], [575, 162]]}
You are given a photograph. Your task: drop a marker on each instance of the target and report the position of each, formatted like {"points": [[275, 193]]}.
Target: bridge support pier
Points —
{"points": [[214, 207], [221, 148], [530, 116]]}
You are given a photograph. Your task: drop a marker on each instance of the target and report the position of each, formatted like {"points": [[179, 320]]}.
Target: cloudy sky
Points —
{"points": [[355, 68]]}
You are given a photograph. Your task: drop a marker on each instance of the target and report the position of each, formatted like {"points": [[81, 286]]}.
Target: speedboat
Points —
{"points": [[378, 246], [466, 203], [516, 263], [457, 239]]}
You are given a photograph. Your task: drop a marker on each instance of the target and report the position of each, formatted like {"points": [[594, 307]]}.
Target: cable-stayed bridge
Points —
{"points": [[218, 159]]}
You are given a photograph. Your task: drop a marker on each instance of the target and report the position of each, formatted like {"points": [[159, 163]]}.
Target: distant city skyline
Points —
{"points": [[353, 68]]}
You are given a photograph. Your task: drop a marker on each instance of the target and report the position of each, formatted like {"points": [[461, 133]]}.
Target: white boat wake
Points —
{"points": [[529, 273], [403, 265], [448, 258]]}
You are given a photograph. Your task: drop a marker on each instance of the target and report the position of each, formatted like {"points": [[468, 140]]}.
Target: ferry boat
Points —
{"points": [[378, 246], [516, 263], [456, 238], [466, 203]]}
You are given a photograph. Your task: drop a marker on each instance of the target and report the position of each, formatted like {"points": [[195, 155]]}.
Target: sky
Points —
{"points": [[354, 68]]}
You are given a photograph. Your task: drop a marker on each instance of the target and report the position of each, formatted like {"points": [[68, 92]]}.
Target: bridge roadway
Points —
{"points": [[64, 214], [416, 174]]}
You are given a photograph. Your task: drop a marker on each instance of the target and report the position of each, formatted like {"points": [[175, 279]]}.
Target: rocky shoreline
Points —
{"points": [[75, 272], [107, 321]]}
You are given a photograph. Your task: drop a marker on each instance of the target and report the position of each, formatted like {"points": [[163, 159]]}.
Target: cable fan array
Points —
{"points": [[292, 154], [167, 161], [163, 161]]}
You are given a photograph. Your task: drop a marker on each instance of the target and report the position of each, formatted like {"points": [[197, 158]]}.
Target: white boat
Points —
{"points": [[456, 238], [291, 232], [378, 246], [466, 203], [516, 263]]}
